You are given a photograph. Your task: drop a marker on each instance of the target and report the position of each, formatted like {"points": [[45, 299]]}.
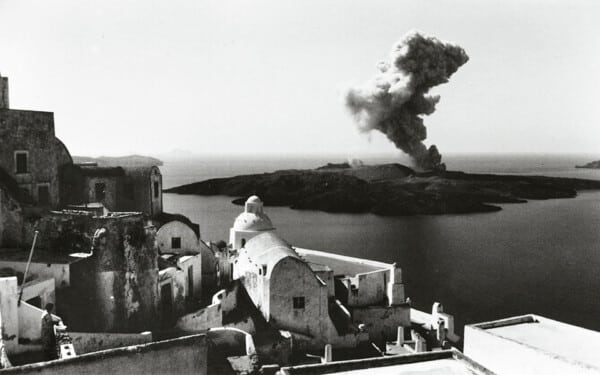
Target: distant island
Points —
{"points": [[388, 189], [590, 165], [119, 161]]}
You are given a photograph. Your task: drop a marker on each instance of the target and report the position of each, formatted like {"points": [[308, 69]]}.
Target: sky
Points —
{"points": [[256, 77]]}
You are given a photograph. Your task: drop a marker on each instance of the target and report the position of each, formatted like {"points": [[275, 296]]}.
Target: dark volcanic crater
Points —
{"points": [[388, 189]]}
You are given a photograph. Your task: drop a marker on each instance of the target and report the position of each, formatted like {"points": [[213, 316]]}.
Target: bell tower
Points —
{"points": [[3, 92]]}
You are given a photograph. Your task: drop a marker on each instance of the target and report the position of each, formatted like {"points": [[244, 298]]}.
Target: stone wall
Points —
{"points": [[4, 102], [88, 342], [128, 189], [32, 132], [382, 322], [11, 220], [118, 284], [185, 355]]}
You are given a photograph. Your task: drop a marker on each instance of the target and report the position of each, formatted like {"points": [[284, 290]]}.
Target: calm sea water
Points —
{"points": [[540, 257]]}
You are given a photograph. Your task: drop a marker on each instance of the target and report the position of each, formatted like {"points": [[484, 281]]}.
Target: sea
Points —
{"points": [[540, 257]]}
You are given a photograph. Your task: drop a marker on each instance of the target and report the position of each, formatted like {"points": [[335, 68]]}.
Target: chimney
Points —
{"points": [[3, 92]]}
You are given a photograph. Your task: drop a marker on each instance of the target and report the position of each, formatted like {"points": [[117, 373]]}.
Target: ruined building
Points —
{"points": [[31, 154], [37, 174]]}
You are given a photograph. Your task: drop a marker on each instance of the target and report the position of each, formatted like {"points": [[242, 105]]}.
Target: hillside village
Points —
{"points": [[137, 288]]}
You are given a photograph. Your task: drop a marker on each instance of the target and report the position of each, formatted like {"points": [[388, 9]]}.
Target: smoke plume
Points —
{"points": [[395, 99]]}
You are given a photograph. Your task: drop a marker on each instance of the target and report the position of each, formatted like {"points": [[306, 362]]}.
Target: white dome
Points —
{"points": [[253, 199], [249, 221], [253, 218]]}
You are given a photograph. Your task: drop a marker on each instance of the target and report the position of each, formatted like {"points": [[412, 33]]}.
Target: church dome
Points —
{"points": [[253, 218], [254, 199]]}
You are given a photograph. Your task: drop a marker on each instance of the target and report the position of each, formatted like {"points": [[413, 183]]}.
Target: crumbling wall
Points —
{"points": [[147, 199], [125, 274], [4, 103], [382, 322], [32, 132], [115, 289], [11, 220], [87, 342]]}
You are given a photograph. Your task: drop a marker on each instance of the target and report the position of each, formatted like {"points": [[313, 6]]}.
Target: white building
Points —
{"points": [[177, 237], [533, 344], [291, 296], [252, 222]]}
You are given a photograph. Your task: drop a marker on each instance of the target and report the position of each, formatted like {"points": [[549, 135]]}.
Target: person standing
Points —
{"points": [[48, 337]]}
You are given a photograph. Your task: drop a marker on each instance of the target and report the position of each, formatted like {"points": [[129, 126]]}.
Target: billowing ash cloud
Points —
{"points": [[394, 101]]}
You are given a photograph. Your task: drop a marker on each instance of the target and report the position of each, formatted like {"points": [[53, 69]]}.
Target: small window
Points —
{"points": [[298, 302], [100, 191], [43, 195], [175, 242], [21, 162], [243, 242], [156, 190]]}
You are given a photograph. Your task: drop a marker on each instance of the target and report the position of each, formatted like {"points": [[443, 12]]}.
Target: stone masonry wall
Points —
{"points": [[32, 132]]}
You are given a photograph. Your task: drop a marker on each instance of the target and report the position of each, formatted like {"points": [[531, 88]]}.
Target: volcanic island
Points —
{"points": [[388, 189]]}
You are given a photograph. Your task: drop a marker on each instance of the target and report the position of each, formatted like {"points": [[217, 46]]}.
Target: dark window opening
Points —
{"points": [[21, 161], [298, 302], [175, 242], [243, 242], [43, 195], [100, 191], [129, 191], [35, 301], [156, 192]]}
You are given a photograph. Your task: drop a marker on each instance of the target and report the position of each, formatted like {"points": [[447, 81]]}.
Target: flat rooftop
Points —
{"points": [[341, 264], [550, 336], [446, 362]]}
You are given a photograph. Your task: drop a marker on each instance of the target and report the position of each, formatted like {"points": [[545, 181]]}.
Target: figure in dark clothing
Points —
{"points": [[48, 337]]}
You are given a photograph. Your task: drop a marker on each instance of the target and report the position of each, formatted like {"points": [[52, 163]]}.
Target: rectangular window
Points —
{"points": [[43, 195], [100, 191], [21, 162], [156, 190], [175, 242], [298, 302]]}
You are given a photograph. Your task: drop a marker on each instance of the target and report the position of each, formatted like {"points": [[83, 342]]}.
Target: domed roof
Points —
{"points": [[252, 222], [253, 218], [253, 199]]}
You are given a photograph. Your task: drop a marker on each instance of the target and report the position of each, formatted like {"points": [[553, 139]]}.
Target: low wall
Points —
{"points": [[85, 342], [40, 288], [231, 341], [199, 321], [382, 322], [185, 355], [342, 264], [370, 288], [30, 322]]}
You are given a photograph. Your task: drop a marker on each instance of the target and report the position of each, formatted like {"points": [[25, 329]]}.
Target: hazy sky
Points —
{"points": [[268, 76]]}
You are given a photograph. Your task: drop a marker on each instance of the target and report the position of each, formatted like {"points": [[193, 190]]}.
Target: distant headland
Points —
{"points": [[388, 189], [590, 165], [122, 161]]}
